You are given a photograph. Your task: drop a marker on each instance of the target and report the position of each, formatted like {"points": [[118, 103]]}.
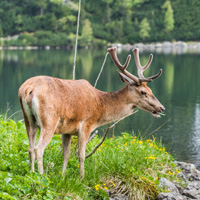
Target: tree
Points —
{"points": [[169, 16], [144, 29], [87, 34], [1, 31]]}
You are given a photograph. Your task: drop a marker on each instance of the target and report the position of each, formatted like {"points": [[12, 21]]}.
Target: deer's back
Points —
{"points": [[70, 101]]}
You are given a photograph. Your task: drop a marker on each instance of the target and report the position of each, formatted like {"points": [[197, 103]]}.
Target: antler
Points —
{"points": [[122, 68], [141, 68]]}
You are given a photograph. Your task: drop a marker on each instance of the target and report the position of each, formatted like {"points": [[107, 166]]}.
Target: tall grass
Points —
{"points": [[125, 164]]}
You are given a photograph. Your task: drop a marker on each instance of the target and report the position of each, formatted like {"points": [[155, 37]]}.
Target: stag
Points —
{"points": [[75, 107]]}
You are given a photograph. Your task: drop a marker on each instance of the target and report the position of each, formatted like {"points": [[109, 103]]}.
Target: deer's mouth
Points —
{"points": [[156, 114]]}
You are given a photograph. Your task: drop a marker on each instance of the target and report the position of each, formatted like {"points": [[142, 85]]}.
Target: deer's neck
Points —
{"points": [[117, 104]]}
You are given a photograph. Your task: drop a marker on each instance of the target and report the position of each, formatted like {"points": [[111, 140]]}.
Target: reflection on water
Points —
{"points": [[177, 89]]}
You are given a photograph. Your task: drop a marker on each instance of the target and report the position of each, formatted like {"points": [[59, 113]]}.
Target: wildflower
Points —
{"points": [[105, 188], [170, 173], [133, 141], [124, 136], [104, 184], [112, 183], [151, 157], [125, 144], [177, 171], [97, 187], [78, 166]]}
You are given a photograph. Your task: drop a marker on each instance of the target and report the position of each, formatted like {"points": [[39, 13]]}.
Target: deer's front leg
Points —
{"points": [[83, 137], [66, 140]]}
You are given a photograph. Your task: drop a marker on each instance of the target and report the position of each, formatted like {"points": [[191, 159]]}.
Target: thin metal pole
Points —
{"points": [[76, 44]]}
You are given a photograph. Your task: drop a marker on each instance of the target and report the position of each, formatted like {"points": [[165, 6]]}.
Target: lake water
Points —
{"points": [[178, 89]]}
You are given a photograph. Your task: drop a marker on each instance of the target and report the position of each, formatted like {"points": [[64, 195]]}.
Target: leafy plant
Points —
{"points": [[125, 163]]}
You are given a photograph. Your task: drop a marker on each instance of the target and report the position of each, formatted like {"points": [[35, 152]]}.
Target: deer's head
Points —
{"points": [[139, 92]]}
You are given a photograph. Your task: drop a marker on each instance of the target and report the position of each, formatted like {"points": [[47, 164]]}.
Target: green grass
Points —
{"points": [[123, 164]]}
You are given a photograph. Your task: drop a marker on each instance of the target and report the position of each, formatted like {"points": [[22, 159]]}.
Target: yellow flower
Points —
{"points": [[104, 184], [124, 136], [177, 171], [111, 182], [125, 144], [97, 187], [105, 188], [170, 173], [151, 157], [133, 141]]}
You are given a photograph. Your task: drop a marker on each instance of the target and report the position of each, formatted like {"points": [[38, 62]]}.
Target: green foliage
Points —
{"points": [[126, 162], [144, 29], [87, 34], [121, 21], [169, 17]]}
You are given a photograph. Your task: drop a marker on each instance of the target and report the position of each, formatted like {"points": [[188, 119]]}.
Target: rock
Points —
{"points": [[171, 196], [189, 170], [164, 183], [191, 176], [119, 197]]}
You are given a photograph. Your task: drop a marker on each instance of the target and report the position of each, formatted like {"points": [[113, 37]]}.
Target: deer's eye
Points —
{"points": [[143, 93]]}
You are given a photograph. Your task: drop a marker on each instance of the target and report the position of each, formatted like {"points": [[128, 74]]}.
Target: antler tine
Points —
{"points": [[121, 67], [140, 68], [113, 54], [157, 75]]}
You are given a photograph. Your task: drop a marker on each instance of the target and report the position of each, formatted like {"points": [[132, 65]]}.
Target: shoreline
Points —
{"points": [[164, 47]]}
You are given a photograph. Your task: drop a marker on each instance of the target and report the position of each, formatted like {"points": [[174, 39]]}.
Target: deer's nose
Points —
{"points": [[162, 109]]}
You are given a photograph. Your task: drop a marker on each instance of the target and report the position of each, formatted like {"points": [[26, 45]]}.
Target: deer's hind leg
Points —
{"points": [[31, 129], [46, 133]]}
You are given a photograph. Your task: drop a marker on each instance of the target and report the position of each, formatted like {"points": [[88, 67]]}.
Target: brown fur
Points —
{"points": [[73, 107]]}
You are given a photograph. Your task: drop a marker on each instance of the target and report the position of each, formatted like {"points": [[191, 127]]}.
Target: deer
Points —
{"points": [[75, 107]]}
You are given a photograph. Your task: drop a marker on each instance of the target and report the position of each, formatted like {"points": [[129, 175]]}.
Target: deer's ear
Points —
{"points": [[126, 79]]}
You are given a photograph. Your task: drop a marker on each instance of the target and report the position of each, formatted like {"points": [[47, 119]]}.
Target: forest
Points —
{"points": [[53, 22]]}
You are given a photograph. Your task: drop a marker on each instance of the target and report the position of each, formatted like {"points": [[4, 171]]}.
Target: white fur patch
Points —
{"points": [[35, 110], [27, 110]]}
